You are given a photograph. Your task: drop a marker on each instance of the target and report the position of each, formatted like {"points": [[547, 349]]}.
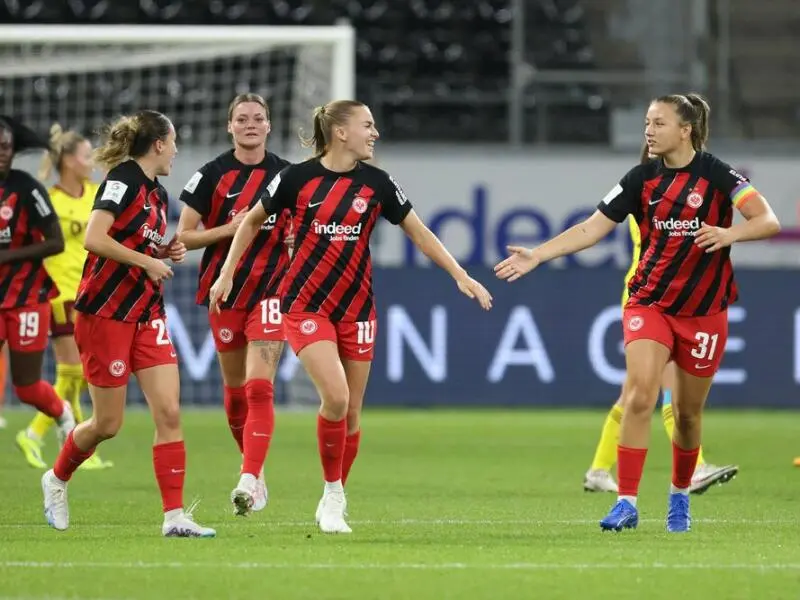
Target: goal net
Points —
{"points": [[83, 76]]}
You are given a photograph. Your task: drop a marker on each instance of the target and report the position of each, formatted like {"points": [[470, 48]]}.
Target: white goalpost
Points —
{"points": [[84, 75]]}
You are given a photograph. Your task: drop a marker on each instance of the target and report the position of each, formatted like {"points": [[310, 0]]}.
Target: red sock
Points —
{"points": [[331, 437], [683, 465], [169, 462], [70, 458], [43, 397], [235, 400], [260, 424], [630, 464], [350, 452]]}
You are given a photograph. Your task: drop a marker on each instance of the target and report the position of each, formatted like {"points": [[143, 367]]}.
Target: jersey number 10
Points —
{"points": [[366, 332]]}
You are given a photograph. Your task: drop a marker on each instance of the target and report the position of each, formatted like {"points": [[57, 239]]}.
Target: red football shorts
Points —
{"points": [[112, 350], [355, 340], [233, 328], [25, 328], [696, 343], [62, 318]]}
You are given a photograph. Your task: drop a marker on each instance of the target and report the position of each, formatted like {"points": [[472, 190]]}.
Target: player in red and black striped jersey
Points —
{"points": [[327, 300], [120, 327], [683, 203], [248, 328], [29, 232]]}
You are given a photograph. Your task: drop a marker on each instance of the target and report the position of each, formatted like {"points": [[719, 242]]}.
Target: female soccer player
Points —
{"points": [[327, 301], [29, 233], [70, 155], [683, 202], [598, 478], [248, 330], [120, 327]]}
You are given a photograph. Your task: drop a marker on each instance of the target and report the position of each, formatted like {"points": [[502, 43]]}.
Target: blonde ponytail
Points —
{"points": [[61, 144], [327, 117]]}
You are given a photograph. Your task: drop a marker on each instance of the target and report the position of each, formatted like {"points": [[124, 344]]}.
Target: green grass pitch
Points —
{"points": [[457, 504]]}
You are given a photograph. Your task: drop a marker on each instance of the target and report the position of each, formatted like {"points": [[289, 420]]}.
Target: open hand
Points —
{"points": [[521, 261], [472, 289]]}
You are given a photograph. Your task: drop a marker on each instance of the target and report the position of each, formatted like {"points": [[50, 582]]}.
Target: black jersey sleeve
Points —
{"points": [[199, 190], [279, 195], [395, 205], [40, 209], [115, 195], [624, 198], [730, 182]]}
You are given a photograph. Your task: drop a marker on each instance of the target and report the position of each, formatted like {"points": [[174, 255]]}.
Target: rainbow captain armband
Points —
{"points": [[742, 193]]}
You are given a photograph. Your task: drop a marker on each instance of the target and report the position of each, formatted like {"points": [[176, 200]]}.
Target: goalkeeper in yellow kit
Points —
{"points": [[598, 478], [70, 154]]}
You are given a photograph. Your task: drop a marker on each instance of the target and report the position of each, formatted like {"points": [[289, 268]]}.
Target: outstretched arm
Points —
{"points": [[432, 247], [578, 237]]}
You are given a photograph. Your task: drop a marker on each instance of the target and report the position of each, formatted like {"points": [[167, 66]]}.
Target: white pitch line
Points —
{"points": [[441, 522], [457, 566]]}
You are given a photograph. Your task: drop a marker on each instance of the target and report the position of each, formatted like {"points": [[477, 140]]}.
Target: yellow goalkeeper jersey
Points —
{"points": [[637, 250], [73, 215]]}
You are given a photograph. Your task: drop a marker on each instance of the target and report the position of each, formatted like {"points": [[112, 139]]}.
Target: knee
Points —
{"points": [[640, 395], [335, 401], [167, 416], [686, 419], [106, 427]]}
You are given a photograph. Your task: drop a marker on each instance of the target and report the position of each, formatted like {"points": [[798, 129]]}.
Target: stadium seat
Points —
{"points": [[430, 69]]}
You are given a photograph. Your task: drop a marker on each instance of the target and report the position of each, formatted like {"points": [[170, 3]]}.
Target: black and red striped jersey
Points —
{"points": [[333, 216], [25, 212], [219, 190], [671, 205], [120, 291]]}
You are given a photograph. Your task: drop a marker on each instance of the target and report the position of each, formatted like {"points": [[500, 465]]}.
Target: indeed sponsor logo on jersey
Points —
{"points": [[269, 222], [153, 235], [5, 235], [678, 227], [336, 231]]}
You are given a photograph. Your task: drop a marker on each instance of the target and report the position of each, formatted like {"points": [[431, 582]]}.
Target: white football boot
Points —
{"points": [[56, 510], [180, 523], [332, 509], [707, 475], [261, 496], [243, 495], [598, 480]]}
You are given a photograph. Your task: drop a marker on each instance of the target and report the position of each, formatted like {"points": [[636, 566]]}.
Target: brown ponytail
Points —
{"points": [[700, 129], [694, 110], [131, 137], [644, 156]]}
